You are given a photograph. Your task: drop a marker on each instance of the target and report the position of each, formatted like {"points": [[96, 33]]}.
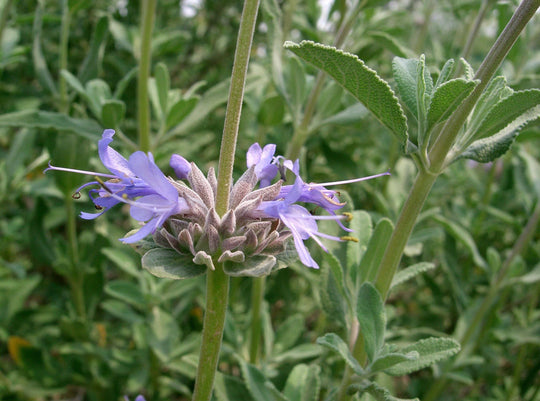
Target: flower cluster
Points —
{"points": [[181, 214]]}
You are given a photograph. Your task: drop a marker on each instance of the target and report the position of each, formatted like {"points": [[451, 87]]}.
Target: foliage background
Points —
{"points": [[79, 319]]}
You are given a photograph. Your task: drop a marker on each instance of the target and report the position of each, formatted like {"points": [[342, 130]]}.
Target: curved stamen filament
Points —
{"points": [[327, 184]]}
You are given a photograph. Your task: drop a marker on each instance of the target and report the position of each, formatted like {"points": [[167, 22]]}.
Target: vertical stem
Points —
{"points": [[217, 294], [234, 104], [402, 231], [217, 284], [75, 276], [487, 69], [257, 296], [148, 11], [64, 39]]}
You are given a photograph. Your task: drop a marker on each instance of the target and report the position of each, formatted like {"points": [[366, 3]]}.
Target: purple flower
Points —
{"points": [[265, 164], [180, 166], [299, 221], [139, 398], [139, 177]]}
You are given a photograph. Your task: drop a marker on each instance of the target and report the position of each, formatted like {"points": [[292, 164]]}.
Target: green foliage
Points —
{"points": [[167, 263], [82, 317], [361, 81]]}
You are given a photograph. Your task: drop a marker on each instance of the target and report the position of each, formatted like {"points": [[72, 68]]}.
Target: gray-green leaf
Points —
{"points": [[335, 343], [360, 80], [488, 149], [430, 350], [303, 383], [410, 272], [50, 120], [166, 263], [447, 98], [372, 318]]}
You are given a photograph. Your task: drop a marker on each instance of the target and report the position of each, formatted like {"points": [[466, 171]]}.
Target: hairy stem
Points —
{"points": [[234, 104], [217, 284], [148, 11], [217, 294]]}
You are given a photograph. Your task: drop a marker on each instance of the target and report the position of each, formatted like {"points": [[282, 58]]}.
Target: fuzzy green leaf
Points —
{"points": [[91, 66], [258, 385], [335, 343], [447, 98], [332, 289], [255, 266], [375, 250], [74, 82], [362, 228], [303, 383], [372, 318], [391, 359], [488, 149], [446, 73], [430, 350], [361, 81], [230, 388], [161, 73], [50, 120], [493, 94], [463, 236], [414, 84], [166, 263], [272, 111], [180, 110], [511, 113], [410, 272], [380, 393], [40, 64], [112, 113], [126, 291]]}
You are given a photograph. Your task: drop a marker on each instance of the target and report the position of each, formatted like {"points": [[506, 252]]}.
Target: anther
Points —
{"points": [[349, 238], [103, 184], [76, 195], [348, 215], [98, 207]]}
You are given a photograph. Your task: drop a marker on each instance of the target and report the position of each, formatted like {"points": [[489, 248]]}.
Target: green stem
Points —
{"points": [[148, 11], [496, 55], [63, 57], [234, 104], [257, 296], [217, 282], [442, 145], [217, 294], [403, 229], [76, 275]]}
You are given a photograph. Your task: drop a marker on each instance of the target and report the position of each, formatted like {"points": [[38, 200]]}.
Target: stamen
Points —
{"points": [[98, 207], [72, 170], [349, 238], [348, 215], [76, 195], [103, 185], [327, 184]]}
